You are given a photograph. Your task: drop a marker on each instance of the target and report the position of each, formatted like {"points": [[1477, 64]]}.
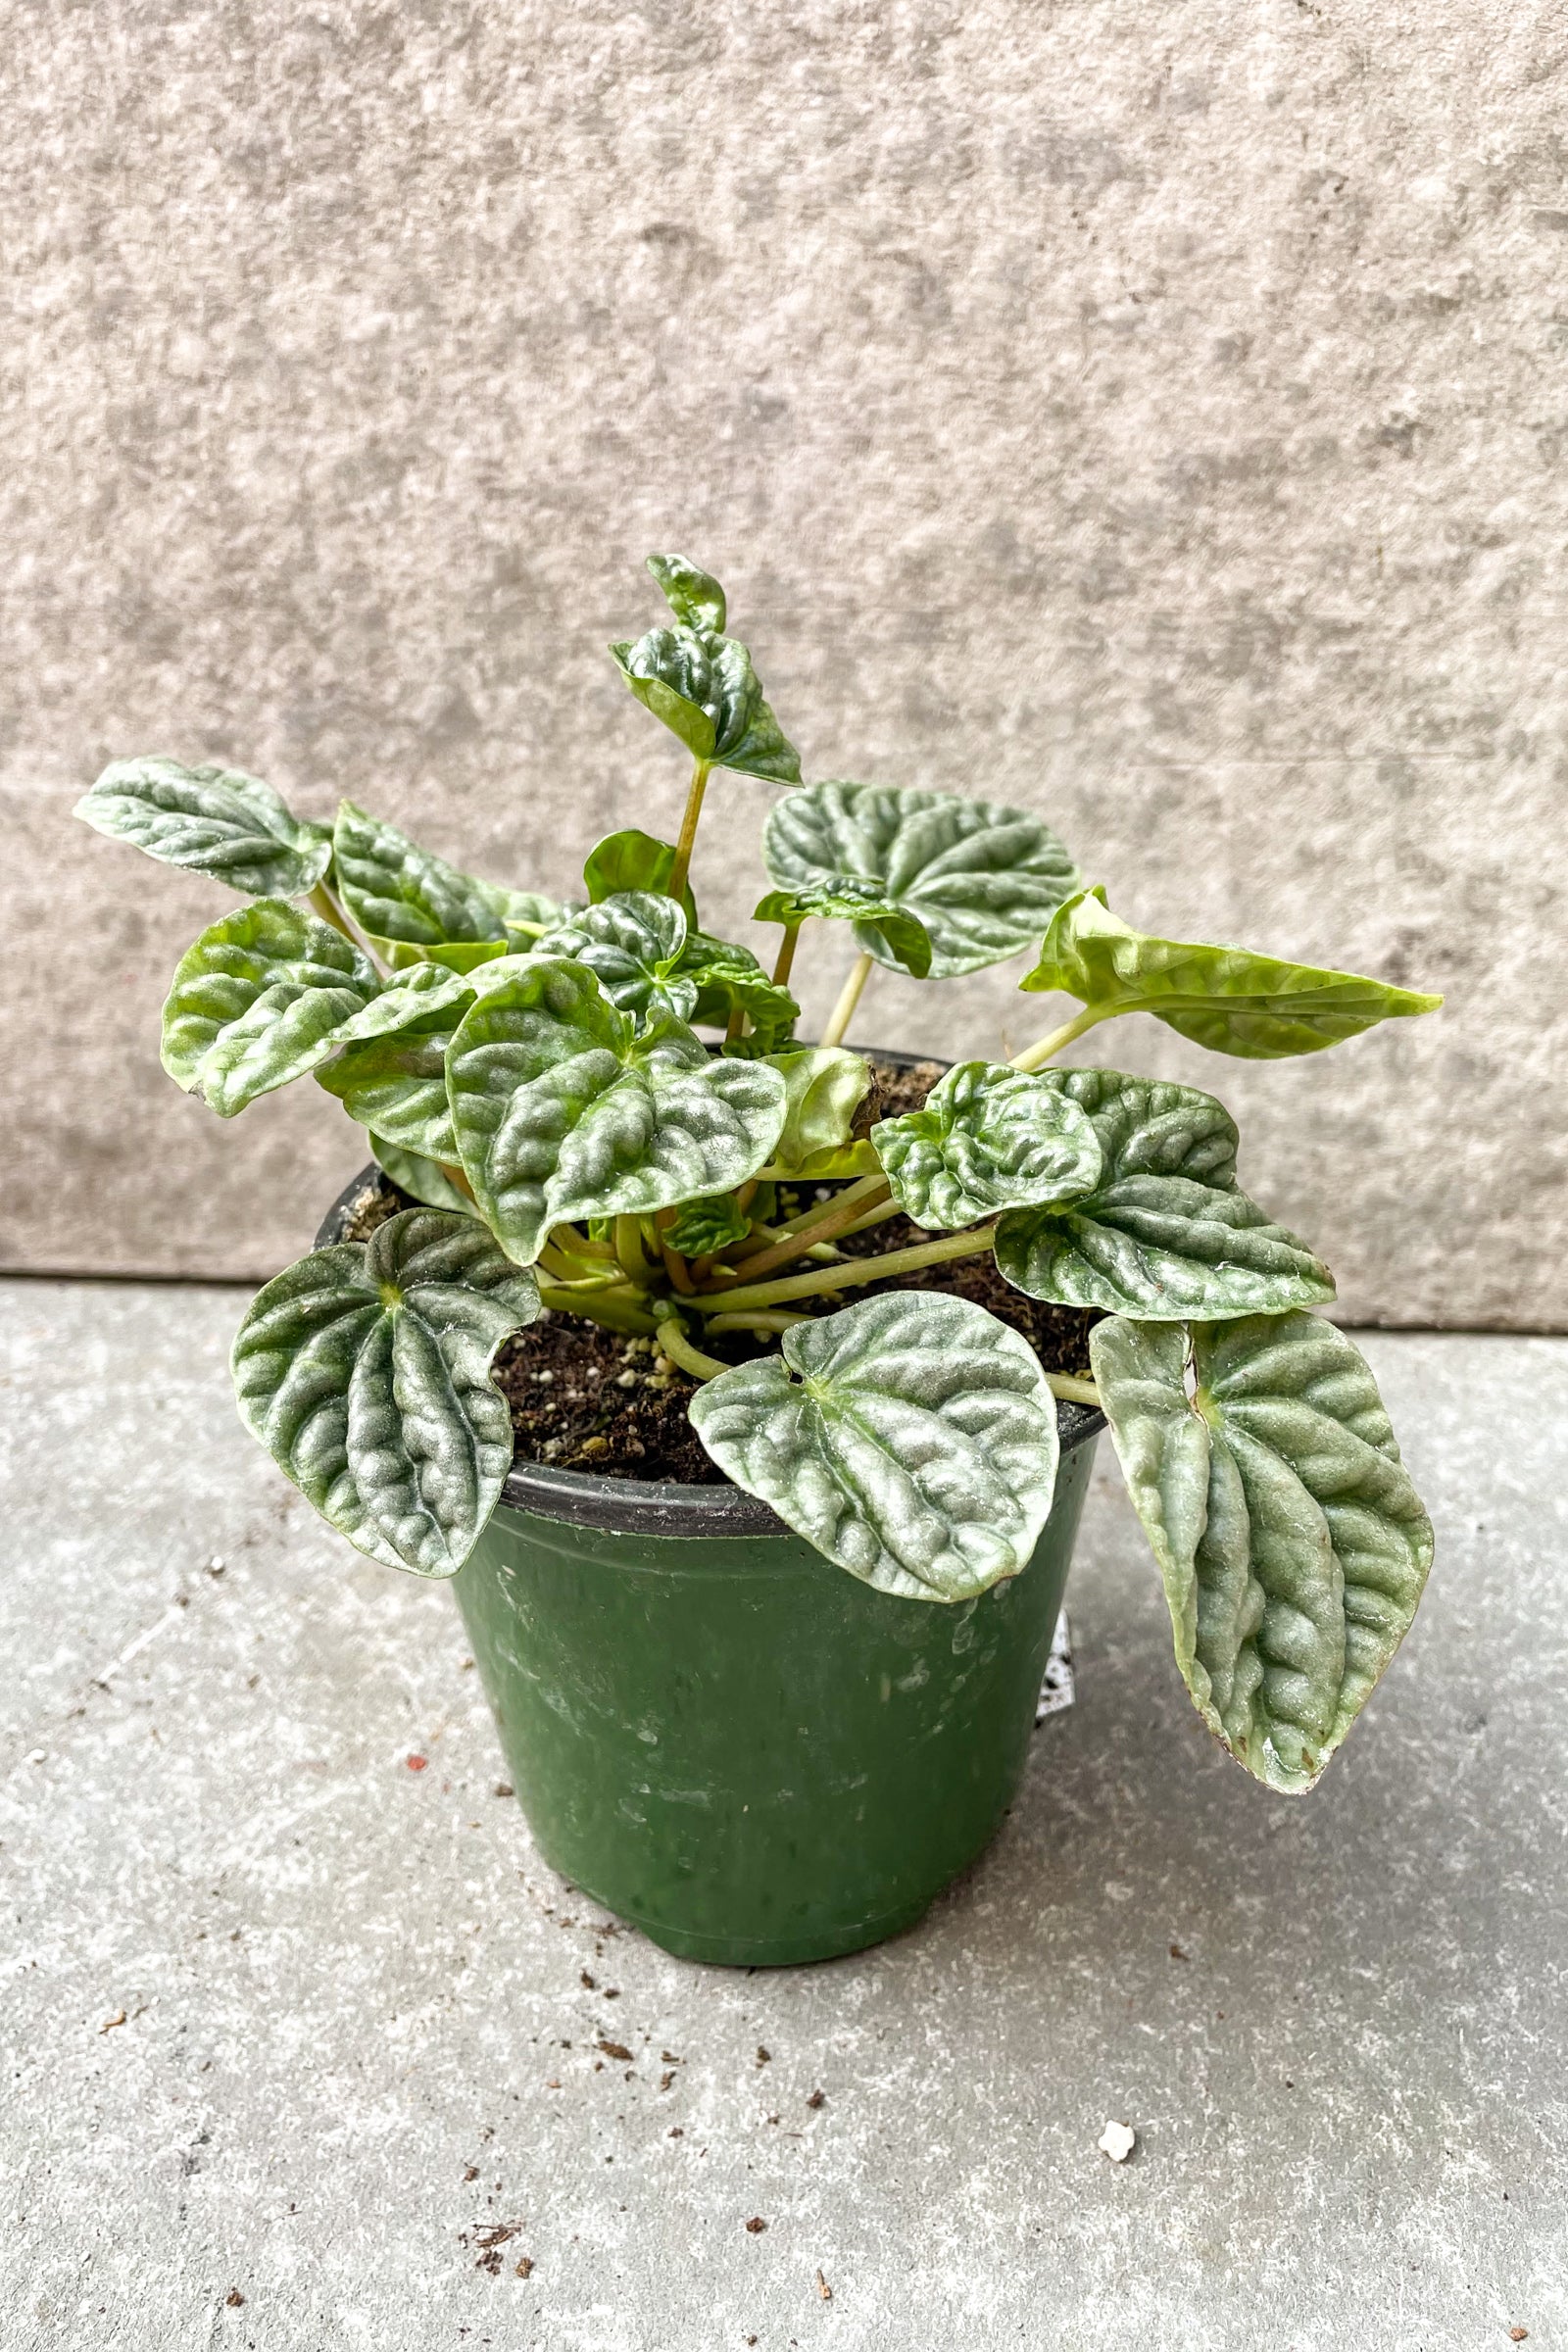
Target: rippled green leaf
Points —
{"points": [[693, 595], [561, 1110], [1292, 1545], [1164, 1234], [1228, 999], [702, 684], [980, 878], [903, 935], [269, 993], [413, 906], [364, 1371], [633, 944], [987, 1137], [698, 1228], [916, 1445], [215, 820]]}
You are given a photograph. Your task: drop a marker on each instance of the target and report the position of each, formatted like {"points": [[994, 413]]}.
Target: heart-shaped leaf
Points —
{"points": [[633, 861], [421, 1178], [217, 820], [413, 906], [980, 878], [364, 1371], [1227, 998], [987, 1137], [904, 936], [269, 993], [561, 1110], [729, 978], [917, 1448], [824, 1087], [1292, 1544], [632, 944], [704, 688], [693, 595], [1164, 1234]]}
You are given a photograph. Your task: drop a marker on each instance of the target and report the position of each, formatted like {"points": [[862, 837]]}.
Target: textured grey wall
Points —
{"points": [[1153, 417]]}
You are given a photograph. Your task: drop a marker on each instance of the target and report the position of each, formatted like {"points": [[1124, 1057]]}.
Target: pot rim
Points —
{"points": [[649, 1506]]}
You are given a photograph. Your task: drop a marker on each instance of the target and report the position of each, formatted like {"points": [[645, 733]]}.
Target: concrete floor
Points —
{"points": [[359, 2017]]}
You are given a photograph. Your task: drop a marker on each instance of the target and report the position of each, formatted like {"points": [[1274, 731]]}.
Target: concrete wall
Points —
{"points": [[1152, 416]]}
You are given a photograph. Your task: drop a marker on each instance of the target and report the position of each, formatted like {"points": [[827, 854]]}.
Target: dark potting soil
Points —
{"points": [[586, 1399]]}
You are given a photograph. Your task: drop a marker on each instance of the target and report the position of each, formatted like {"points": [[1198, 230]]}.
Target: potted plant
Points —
{"points": [[759, 1524]]}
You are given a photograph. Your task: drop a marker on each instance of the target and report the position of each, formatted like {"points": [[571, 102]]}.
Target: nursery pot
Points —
{"points": [[725, 1738]]}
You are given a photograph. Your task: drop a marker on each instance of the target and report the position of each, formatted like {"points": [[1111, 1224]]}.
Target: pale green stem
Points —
{"points": [[878, 1215], [579, 1244], [736, 1257], [629, 1251], [854, 1271], [830, 1219], [329, 906], [786, 953], [1076, 1392], [860, 1190], [843, 1012], [1035, 1057], [675, 887], [616, 1311], [456, 1176], [763, 1319], [679, 1349], [584, 1284]]}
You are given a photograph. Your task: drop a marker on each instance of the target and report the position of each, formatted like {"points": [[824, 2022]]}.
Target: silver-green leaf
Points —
{"points": [[1164, 1234], [364, 1371], [632, 944], [1292, 1545], [413, 906], [562, 1111], [987, 1137], [215, 820], [693, 595], [1227, 998], [916, 1447], [981, 879], [269, 993], [702, 686]]}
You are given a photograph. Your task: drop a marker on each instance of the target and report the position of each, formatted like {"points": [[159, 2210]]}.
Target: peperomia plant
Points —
{"points": [[531, 1074]]}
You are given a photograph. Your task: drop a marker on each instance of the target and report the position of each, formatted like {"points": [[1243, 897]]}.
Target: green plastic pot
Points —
{"points": [[729, 1741]]}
